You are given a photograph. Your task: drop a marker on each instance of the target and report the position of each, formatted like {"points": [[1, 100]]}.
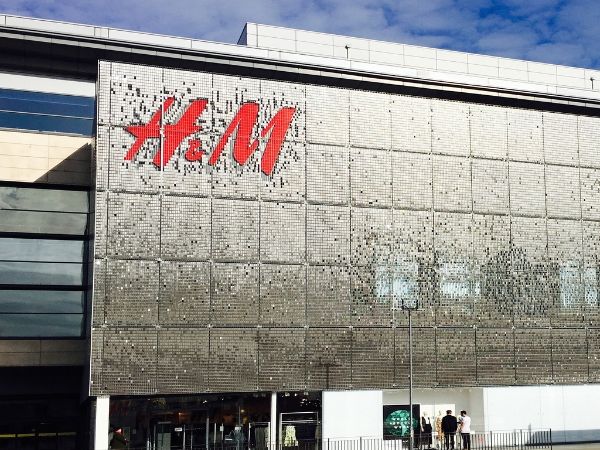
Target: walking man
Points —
{"points": [[465, 430], [449, 426]]}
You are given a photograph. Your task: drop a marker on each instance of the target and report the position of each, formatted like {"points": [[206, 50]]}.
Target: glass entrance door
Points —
{"points": [[195, 437], [162, 436], [185, 436]]}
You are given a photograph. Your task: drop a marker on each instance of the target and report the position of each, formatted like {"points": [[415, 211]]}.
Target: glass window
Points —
{"points": [[45, 107], [43, 199], [38, 301], [27, 263], [41, 325], [40, 122], [12, 220], [43, 97], [29, 273], [18, 249]]}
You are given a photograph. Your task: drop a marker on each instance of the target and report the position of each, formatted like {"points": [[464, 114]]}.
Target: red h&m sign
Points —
{"points": [[242, 125]]}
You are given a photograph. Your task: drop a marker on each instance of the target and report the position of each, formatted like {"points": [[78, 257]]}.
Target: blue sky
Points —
{"points": [[555, 31]]}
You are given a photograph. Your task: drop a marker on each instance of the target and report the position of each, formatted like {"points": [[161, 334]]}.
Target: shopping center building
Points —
{"points": [[205, 244]]}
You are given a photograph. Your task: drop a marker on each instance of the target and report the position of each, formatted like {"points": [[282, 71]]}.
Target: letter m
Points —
{"points": [[244, 122]]}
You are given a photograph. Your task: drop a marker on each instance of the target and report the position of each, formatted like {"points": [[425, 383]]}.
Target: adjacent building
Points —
{"points": [[206, 244]]}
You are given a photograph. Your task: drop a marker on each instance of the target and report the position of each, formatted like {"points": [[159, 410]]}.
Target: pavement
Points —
{"points": [[592, 446]]}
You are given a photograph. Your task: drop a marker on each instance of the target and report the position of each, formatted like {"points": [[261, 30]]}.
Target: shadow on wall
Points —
{"points": [[74, 169]]}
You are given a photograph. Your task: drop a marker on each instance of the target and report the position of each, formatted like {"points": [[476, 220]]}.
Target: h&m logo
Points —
{"points": [[242, 125]]}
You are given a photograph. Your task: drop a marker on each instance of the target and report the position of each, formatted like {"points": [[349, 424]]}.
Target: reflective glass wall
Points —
{"points": [[43, 247], [41, 111]]}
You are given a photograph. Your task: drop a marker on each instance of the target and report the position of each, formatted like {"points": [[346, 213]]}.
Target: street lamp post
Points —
{"points": [[410, 381], [408, 304], [404, 290]]}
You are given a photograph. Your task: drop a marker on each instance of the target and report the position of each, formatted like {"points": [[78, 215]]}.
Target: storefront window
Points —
{"points": [[229, 421], [218, 420]]}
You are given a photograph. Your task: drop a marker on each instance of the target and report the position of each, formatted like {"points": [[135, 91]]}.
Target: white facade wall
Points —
{"points": [[51, 85], [427, 62], [352, 414], [31, 157], [570, 411]]}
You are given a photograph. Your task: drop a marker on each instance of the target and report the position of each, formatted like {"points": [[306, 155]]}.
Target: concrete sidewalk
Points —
{"points": [[587, 446]]}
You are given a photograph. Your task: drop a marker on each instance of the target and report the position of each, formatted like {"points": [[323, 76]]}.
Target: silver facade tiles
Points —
{"points": [[212, 276]]}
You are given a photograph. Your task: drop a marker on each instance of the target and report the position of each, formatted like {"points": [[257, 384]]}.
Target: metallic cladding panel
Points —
{"points": [[282, 359], [211, 276], [496, 355], [182, 360], [184, 294]]}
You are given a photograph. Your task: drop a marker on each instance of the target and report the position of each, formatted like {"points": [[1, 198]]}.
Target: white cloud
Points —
{"points": [[556, 31]]}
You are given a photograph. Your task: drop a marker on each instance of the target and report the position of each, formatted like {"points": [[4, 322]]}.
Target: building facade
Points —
{"points": [[240, 230]]}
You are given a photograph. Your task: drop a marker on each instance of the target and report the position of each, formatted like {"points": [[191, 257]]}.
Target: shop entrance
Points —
{"points": [[199, 422], [170, 436], [299, 420]]}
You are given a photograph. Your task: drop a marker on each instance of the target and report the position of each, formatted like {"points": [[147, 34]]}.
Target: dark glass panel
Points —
{"points": [[31, 96], [41, 325], [41, 273], [38, 122], [47, 250], [59, 108], [16, 221], [30, 301], [43, 199]]}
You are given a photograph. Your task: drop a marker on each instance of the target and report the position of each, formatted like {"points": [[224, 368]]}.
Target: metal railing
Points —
{"points": [[496, 440], [515, 439]]}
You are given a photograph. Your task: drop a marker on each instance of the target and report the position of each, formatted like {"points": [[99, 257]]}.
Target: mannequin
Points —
{"points": [[238, 437], [439, 443], [289, 439], [426, 429]]}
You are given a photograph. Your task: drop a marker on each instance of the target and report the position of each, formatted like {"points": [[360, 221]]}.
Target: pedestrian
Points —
{"points": [[118, 441], [449, 427], [465, 430], [426, 430]]}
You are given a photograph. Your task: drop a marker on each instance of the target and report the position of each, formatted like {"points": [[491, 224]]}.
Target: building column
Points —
{"points": [[273, 425], [101, 423]]}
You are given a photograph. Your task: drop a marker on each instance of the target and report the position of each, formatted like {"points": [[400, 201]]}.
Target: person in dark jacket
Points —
{"points": [[449, 427], [118, 441]]}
